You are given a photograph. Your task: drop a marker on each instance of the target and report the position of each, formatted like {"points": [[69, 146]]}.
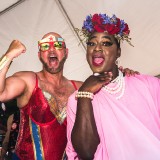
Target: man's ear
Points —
{"points": [[39, 55], [66, 52]]}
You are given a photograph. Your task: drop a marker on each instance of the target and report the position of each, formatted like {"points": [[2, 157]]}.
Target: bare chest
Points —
{"points": [[57, 98], [60, 94]]}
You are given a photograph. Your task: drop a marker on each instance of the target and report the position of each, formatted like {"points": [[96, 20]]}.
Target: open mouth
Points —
{"points": [[53, 59], [97, 60]]}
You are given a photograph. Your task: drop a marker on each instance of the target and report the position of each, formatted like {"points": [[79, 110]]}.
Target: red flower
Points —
{"points": [[111, 29], [96, 19], [98, 28], [126, 29]]}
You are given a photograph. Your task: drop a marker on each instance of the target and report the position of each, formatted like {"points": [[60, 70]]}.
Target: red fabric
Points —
{"points": [[52, 133]]}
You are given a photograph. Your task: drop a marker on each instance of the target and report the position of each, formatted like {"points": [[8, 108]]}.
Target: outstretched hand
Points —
{"points": [[15, 49], [96, 81]]}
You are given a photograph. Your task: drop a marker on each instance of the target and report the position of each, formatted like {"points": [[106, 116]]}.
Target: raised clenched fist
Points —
{"points": [[15, 49]]}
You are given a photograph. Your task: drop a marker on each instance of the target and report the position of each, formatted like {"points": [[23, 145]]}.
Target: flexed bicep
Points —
{"points": [[13, 87]]}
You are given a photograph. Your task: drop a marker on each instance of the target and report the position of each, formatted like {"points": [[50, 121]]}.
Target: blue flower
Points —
{"points": [[113, 19], [88, 26], [122, 27], [106, 19], [89, 18]]}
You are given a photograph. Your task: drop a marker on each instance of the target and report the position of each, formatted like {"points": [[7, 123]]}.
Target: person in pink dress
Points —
{"points": [[112, 116]]}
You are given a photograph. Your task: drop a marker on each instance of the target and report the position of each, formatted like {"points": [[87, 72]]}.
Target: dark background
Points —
{"points": [[11, 107]]}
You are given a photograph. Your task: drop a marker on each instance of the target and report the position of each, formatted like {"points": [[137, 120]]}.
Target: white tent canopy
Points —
{"points": [[29, 20]]}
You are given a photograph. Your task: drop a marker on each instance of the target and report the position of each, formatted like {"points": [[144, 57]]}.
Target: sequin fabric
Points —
{"points": [[38, 121]]}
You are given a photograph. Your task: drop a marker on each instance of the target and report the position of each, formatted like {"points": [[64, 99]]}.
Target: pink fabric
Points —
{"points": [[129, 128]]}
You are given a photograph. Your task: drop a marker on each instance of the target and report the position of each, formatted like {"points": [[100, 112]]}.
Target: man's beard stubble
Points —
{"points": [[53, 70]]}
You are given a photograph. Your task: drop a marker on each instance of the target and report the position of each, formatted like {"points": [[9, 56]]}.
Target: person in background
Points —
{"points": [[112, 116], [6, 109], [3, 130], [10, 139]]}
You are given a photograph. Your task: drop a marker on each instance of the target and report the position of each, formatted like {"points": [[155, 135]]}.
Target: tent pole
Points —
{"points": [[12, 6], [70, 23]]}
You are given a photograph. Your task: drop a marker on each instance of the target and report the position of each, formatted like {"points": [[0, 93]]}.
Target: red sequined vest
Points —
{"points": [[40, 137]]}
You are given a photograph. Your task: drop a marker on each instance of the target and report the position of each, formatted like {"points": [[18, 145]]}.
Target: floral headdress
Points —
{"points": [[104, 23]]}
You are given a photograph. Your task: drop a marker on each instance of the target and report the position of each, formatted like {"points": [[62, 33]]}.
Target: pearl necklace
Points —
{"points": [[119, 86]]}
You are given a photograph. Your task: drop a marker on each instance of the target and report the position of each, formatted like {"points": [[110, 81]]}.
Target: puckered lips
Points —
{"points": [[97, 59]]}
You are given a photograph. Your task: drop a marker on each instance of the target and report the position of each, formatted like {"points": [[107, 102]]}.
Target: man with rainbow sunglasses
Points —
{"points": [[41, 98]]}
